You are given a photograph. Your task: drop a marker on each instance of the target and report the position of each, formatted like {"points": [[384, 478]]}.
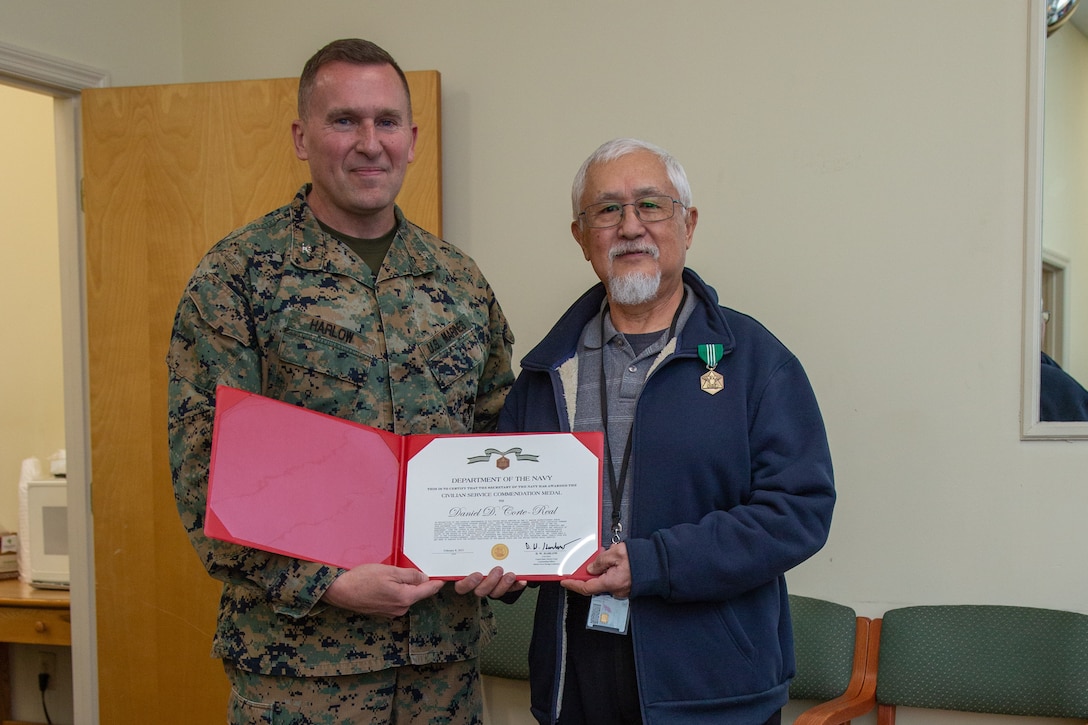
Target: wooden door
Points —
{"points": [[168, 171]]}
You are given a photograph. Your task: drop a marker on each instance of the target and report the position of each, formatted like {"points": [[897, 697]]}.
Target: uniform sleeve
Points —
{"points": [[213, 342]]}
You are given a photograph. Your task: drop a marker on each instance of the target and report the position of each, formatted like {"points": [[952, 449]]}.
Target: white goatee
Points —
{"points": [[634, 288]]}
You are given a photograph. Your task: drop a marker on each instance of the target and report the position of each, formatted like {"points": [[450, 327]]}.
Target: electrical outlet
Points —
{"points": [[47, 665]]}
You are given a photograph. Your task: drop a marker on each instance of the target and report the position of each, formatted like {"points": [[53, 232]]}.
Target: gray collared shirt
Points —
{"points": [[626, 370]]}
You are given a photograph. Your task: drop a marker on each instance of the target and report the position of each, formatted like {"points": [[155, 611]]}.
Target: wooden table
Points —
{"points": [[29, 616]]}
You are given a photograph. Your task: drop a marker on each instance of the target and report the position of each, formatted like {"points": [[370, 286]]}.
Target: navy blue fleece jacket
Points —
{"points": [[730, 491]]}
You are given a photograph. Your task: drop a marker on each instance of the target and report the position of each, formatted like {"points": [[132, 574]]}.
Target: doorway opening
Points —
{"points": [[63, 80], [1054, 298], [32, 388]]}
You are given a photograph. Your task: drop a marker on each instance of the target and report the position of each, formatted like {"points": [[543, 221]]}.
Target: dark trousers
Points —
{"points": [[600, 686]]}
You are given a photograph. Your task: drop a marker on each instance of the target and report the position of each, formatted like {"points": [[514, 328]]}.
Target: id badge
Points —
{"points": [[608, 614]]}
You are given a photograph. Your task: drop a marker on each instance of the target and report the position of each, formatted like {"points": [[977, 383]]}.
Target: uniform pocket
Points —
{"points": [[451, 362], [324, 374], [456, 366], [325, 355], [241, 711]]}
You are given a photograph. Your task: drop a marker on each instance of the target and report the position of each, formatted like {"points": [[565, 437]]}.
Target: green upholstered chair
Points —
{"points": [[983, 658], [832, 646], [507, 654]]}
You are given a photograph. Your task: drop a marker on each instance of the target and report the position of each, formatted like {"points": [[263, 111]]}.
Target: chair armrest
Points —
{"points": [[860, 695]]}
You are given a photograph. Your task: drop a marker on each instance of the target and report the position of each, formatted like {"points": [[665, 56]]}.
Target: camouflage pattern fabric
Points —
{"points": [[282, 309], [446, 694]]}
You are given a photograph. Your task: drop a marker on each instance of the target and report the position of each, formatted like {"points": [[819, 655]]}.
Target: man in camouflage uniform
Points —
{"points": [[339, 304]]}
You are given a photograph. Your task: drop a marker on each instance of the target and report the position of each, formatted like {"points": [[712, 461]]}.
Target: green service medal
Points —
{"points": [[711, 382]]}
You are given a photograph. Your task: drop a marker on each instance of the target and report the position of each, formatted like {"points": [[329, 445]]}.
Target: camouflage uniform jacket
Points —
{"points": [[282, 309]]}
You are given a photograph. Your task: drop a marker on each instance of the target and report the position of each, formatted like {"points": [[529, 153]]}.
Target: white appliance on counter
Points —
{"points": [[43, 534]]}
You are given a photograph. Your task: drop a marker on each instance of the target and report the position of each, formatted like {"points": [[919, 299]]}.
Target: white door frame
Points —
{"points": [[63, 80]]}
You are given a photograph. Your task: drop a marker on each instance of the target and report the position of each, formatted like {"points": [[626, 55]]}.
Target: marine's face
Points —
{"points": [[358, 139]]}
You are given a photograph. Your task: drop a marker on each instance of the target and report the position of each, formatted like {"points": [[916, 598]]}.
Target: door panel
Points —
{"points": [[168, 171]]}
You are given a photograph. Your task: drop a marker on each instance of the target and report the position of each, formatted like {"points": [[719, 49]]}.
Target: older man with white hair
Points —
{"points": [[718, 476]]}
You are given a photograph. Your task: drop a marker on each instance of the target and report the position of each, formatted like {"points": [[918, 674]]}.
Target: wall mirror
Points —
{"points": [[1056, 233]]}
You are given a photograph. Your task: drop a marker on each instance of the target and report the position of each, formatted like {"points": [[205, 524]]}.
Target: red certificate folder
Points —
{"points": [[292, 481]]}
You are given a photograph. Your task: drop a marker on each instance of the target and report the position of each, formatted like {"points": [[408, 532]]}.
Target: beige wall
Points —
{"points": [[859, 170], [135, 41], [31, 386], [860, 175]]}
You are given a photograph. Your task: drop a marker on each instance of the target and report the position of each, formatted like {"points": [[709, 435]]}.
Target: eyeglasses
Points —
{"points": [[647, 209]]}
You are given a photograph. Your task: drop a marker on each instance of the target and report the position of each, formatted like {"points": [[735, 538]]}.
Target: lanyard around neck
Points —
{"points": [[616, 485]]}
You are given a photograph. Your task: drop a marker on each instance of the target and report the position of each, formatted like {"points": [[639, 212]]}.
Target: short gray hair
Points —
{"points": [[346, 50], [617, 147]]}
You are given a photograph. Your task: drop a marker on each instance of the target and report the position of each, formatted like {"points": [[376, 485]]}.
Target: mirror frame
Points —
{"points": [[1031, 428]]}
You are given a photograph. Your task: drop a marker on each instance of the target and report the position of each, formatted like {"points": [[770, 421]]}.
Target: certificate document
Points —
{"points": [[307, 485], [529, 503]]}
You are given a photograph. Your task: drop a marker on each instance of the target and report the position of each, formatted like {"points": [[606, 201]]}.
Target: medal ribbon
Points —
{"points": [[711, 355]]}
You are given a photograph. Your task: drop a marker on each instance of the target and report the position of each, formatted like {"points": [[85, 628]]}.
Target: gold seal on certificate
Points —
{"points": [[500, 552]]}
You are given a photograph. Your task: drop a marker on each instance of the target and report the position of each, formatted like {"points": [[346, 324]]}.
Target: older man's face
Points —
{"points": [[638, 261]]}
